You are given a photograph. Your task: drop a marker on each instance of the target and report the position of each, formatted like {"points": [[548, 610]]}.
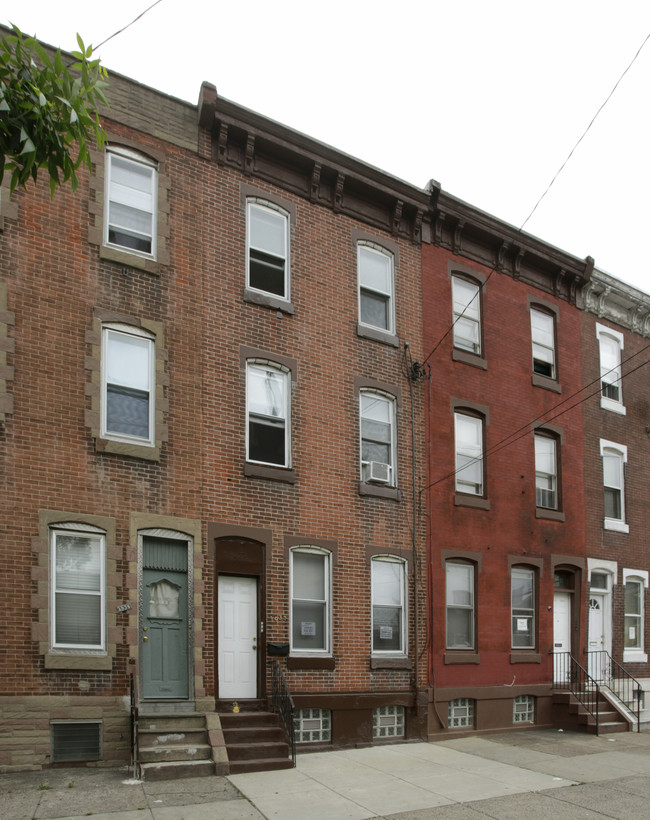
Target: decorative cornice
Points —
{"points": [[608, 298]]}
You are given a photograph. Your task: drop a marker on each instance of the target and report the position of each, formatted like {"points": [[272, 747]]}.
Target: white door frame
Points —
{"points": [[561, 638], [238, 665]]}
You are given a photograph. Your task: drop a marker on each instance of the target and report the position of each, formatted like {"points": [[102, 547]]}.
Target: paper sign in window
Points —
{"points": [[522, 625], [308, 628]]}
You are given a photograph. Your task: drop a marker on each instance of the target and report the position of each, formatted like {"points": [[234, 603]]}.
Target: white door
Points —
{"points": [[597, 635], [237, 637], [561, 635]]}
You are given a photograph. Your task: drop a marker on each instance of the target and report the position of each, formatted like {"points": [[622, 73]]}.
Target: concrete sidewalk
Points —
{"points": [[517, 774]]}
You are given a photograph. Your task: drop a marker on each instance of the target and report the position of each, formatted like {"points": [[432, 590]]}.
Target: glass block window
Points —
{"points": [[461, 713], [388, 721], [313, 725], [523, 709]]}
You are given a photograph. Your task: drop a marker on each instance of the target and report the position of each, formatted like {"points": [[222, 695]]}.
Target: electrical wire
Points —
{"points": [[128, 25]]}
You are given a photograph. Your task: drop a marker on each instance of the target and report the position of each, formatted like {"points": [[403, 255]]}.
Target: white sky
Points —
{"points": [[488, 98]]}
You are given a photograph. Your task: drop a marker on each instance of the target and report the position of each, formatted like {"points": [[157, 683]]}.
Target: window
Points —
{"points": [[614, 459], [611, 344], [313, 725], [388, 594], [633, 614], [460, 606], [130, 202], [461, 713], [76, 740], [522, 603], [267, 397], [267, 248], [466, 302], [523, 709], [377, 438], [310, 595], [546, 472], [542, 327], [388, 721], [375, 269], [128, 367], [78, 588], [469, 454]]}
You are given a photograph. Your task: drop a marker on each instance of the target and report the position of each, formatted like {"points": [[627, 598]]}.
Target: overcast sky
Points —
{"points": [[488, 98]]}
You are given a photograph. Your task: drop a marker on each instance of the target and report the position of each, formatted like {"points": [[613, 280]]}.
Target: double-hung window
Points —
{"points": [[377, 438], [546, 484], [611, 344], [469, 454], [267, 400], [131, 188], [267, 248], [388, 596], [614, 459], [635, 582], [522, 605], [78, 588], [466, 299], [376, 303], [128, 367], [310, 600], [542, 328], [460, 605]]}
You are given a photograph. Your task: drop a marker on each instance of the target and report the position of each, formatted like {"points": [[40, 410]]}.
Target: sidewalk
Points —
{"points": [[533, 774]]}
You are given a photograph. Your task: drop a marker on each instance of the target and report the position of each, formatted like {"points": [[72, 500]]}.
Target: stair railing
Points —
{"points": [[133, 696], [618, 680], [569, 674], [282, 702]]}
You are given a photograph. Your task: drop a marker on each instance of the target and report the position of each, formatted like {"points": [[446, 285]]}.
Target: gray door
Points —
{"points": [[164, 619]]}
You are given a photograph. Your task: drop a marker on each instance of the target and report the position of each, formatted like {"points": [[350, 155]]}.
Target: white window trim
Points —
{"points": [[480, 459], [605, 402], [258, 202], [548, 315], [616, 524], [128, 330], [637, 655], [533, 616], [267, 364], [472, 607], [311, 653], [64, 528], [135, 157], [554, 475], [371, 246], [464, 314], [364, 465], [391, 559]]}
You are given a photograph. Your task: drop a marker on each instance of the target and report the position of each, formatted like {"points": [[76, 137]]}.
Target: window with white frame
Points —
{"points": [[523, 709], [131, 189], [635, 583], [375, 271], [387, 722], [313, 725], [310, 600], [469, 453], [611, 344], [267, 402], [542, 328], [388, 605], [461, 713], [614, 460], [546, 484], [460, 605], [267, 248], [377, 437], [466, 301], [78, 587], [128, 385], [522, 606]]}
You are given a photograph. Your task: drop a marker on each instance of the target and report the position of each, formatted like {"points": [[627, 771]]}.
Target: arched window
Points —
{"points": [[268, 414], [130, 208], [377, 437], [267, 244]]}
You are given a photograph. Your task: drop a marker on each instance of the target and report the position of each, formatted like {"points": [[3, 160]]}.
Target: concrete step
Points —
{"points": [[265, 765], [608, 728], [253, 734], [172, 770], [252, 751], [231, 720], [171, 753], [160, 722], [150, 737]]}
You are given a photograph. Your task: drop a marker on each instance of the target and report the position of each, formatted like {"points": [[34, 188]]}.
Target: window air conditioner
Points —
{"points": [[379, 472]]}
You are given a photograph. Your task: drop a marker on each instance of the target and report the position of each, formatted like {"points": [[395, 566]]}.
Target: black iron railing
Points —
{"points": [[282, 702], [571, 675], [610, 674], [133, 693]]}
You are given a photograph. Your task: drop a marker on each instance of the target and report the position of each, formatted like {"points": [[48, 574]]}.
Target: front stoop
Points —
{"points": [[176, 745], [255, 741], [569, 713]]}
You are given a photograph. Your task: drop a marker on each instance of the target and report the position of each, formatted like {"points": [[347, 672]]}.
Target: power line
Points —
{"points": [[124, 28]]}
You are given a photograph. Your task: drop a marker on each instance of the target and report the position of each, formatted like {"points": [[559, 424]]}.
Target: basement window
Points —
{"points": [[461, 713], [313, 725], [523, 709], [76, 741], [388, 721]]}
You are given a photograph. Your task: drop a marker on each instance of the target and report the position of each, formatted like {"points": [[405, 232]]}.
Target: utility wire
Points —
{"points": [[128, 25]]}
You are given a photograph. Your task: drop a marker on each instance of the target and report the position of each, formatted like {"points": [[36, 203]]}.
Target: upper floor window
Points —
{"points": [[78, 587], [460, 605], [267, 248], [310, 600], [614, 459], [128, 367], [611, 344], [466, 300], [546, 472], [522, 604], [635, 582], [388, 596], [469, 454], [267, 403], [376, 302], [131, 187], [377, 438], [542, 327]]}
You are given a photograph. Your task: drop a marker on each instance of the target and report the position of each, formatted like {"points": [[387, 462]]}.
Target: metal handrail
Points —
{"points": [[619, 681], [569, 674], [282, 702], [133, 694]]}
